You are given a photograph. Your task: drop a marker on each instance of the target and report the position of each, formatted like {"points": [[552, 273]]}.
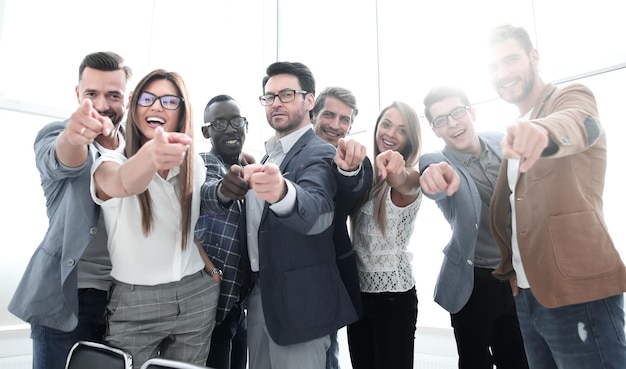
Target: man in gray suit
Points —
{"points": [[460, 178], [298, 298], [63, 292]]}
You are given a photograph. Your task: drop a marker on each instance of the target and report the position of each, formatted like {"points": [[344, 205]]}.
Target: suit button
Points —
{"points": [[93, 230], [470, 262], [70, 262]]}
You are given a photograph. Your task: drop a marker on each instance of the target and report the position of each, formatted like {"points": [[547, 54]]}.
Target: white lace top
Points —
{"points": [[383, 262]]}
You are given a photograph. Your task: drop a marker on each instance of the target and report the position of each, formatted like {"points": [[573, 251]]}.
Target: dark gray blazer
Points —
{"points": [[351, 190], [462, 210], [48, 293], [302, 293]]}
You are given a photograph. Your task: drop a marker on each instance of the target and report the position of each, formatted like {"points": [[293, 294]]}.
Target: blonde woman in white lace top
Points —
{"points": [[381, 230]]}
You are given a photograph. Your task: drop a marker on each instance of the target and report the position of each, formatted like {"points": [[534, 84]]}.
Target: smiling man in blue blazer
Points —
{"points": [[333, 115], [461, 178]]}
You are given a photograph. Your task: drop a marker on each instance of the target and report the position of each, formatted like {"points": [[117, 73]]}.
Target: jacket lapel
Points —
{"points": [[295, 149]]}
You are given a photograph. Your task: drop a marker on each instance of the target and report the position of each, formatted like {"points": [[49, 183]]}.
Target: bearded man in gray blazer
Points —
{"points": [[63, 292]]}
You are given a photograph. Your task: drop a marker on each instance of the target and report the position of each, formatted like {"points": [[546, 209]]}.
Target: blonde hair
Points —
{"points": [[410, 152]]}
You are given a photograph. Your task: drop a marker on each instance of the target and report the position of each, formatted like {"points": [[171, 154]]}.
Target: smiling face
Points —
{"points": [[229, 142], [391, 132], [459, 134], [106, 90], [150, 117], [333, 121], [514, 73]]}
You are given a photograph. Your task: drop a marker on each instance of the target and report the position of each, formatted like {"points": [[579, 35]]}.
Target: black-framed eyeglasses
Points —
{"points": [[284, 96], [221, 124], [169, 102], [456, 113]]}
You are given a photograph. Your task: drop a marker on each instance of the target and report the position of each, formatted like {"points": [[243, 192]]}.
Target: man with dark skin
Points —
{"points": [[218, 233]]}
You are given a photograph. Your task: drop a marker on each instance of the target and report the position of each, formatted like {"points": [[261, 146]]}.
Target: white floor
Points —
{"points": [[434, 349]]}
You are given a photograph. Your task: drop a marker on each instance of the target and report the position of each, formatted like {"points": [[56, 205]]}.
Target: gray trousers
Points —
{"points": [[172, 320], [266, 354]]}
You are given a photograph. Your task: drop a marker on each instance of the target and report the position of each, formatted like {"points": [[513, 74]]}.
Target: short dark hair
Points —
{"points": [[304, 74], [105, 61], [342, 94], [439, 93], [216, 99], [305, 77], [505, 31]]}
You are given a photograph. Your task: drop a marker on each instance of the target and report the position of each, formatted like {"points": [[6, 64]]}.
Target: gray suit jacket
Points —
{"points": [[47, 293], [462, 210]]}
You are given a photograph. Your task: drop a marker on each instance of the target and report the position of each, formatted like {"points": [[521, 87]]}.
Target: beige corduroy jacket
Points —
{"points": [[565, 247]]}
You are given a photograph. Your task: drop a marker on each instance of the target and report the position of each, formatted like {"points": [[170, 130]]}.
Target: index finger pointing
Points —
{"points": [[86, 106]]}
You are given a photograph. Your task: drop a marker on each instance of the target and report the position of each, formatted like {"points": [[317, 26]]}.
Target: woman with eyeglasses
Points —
{"points": [[381, 230], [162, 302]]}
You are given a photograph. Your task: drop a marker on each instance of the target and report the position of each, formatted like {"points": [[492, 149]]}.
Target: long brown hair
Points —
{"points": [[410, 153], [135, 139]]}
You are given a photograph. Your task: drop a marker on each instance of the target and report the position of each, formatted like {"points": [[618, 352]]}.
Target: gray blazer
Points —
{"points": [[462, 210], [47, 293]]}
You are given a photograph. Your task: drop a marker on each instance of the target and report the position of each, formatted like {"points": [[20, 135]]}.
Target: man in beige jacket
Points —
{"points": [[547, 218]]}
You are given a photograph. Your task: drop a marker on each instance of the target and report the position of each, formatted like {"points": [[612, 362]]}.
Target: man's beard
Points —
{"points": [[528, 87]]}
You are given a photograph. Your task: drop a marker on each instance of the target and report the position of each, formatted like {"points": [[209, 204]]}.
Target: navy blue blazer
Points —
{"points": [[462, 210], [351, 190], [302, 293], [217, 230]]}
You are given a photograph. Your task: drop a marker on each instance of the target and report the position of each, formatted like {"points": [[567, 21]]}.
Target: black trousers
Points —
{"points": [[486, 330], [385, 336], [228, 342]]}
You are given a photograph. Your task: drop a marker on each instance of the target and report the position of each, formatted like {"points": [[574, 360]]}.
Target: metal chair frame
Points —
{"points": [[94, 355]]}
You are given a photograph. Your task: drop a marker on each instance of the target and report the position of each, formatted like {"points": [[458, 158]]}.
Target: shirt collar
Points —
{"points": [[466, 158], [288, 141]]}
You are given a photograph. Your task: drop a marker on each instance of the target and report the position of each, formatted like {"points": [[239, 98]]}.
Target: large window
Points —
{"points": [[382, 50]]}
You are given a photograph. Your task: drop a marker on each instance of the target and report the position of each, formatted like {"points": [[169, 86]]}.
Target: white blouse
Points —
{"points": [[158, 257], [383, 262]]}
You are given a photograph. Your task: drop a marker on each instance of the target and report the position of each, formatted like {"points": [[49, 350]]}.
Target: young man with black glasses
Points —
{"points": [[218, 232], [460, 178]]}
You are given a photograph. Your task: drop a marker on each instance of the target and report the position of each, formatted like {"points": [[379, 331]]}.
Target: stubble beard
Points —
{"points": [[292, 124], [529, 84]]}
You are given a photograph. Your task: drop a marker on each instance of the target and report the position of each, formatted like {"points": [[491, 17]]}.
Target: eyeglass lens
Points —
{"points": [[170, 102], [283, 96], [221, 124], [456, 113]]}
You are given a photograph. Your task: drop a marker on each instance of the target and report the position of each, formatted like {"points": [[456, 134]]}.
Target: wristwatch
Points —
{"points": [[215, 271]]}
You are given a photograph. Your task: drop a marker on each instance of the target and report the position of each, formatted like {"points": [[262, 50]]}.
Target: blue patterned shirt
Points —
{"points": [[218, 232]]}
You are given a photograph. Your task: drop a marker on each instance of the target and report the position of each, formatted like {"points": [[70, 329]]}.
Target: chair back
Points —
{"points": [[159, 363], [93, 355]]}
